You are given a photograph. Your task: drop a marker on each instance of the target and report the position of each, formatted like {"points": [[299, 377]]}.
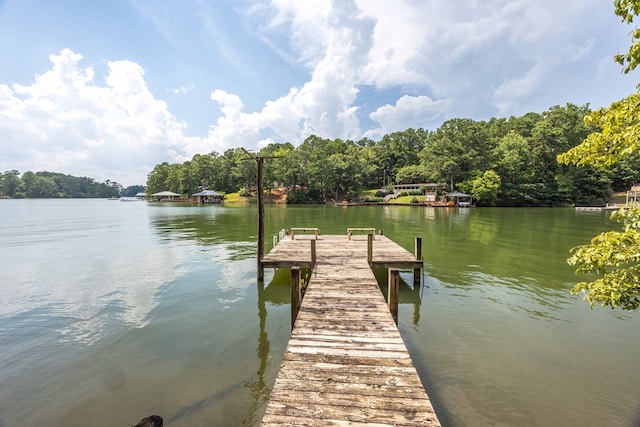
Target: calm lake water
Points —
{"points": [[113, 311]]}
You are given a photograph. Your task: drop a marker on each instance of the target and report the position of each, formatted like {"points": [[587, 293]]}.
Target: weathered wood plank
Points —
{"points": [[303, 421], [346, 363], [350, 413]]}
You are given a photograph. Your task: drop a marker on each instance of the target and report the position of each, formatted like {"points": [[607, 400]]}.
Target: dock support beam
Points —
{"points": [[416, 271], [296, 295], [394, 288], [313, 254], [369, 248]]}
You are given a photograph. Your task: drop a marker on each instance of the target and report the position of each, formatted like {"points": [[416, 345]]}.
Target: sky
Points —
{"points": [[109, 89]]}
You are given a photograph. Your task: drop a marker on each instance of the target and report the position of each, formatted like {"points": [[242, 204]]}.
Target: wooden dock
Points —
{"points": [[346, 363]]}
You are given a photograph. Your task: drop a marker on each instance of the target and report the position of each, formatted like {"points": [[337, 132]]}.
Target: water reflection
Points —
{"points": [[258, 387], [155, 309], [408, 294]]}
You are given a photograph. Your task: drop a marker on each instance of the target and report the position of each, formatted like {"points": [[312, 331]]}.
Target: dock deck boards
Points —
{"points": [[346, 363]]}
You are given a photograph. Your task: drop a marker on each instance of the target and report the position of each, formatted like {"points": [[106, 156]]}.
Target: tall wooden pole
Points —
{"points": [[260, 161]]}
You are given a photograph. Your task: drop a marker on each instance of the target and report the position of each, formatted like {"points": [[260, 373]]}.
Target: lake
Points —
{"points": [[110, 312]]}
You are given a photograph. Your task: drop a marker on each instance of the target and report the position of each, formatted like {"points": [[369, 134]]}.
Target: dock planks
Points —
{"points": [[346, 363]]}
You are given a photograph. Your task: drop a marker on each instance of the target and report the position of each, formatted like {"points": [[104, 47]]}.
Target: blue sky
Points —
{"points": [[109, 89]]}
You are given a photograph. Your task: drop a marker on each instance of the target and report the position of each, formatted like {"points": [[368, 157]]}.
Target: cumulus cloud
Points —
{"points": [[408, 112], [67, 122], [478, 59], [508, 94], [444, 59], [334, 43]]}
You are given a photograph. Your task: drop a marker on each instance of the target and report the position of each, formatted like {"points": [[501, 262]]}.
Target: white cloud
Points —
{"points": [[183, 89], [335, 43], [66, 122], [409, 112], [444, 59], [506, 96]]}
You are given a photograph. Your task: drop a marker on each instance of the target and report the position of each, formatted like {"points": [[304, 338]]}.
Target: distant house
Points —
{"points": [[140, 196], [208, 196], [430, 190], [165, 196]]}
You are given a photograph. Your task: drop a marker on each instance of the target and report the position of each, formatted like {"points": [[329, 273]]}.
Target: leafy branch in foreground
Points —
{"points": [[627, 10], [616, 256], [618, 135]]}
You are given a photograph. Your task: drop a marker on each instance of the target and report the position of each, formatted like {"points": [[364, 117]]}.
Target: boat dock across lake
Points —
{"points": [[345, 363]]}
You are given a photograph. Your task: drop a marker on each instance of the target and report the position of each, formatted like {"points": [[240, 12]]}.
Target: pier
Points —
{"points": [[346, 363]]}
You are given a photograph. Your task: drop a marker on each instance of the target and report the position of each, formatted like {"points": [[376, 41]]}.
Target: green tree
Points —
{"points": [[483, 188], [560, 129], [400, 149], [10, 184], [512, 159], [39, 186], [157, 177], [412, 174], [203, 171], [132, 190], [614, 255], [456, 151]]}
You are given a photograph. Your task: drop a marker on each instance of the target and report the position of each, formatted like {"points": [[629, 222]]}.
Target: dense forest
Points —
{"points": [[57, 185], [503, 161]]}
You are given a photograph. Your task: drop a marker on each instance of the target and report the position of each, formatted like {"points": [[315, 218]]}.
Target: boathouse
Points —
{"points": [[461, 200], [165, 196], [208, 196]]}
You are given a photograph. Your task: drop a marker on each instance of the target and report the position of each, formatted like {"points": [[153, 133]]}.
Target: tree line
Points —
{"points": [[58, 185], [503, 161]]}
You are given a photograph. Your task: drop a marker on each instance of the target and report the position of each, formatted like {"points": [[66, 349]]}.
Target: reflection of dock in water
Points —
{"points": [[346, 362]]}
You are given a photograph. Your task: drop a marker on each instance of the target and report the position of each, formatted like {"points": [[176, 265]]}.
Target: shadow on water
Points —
{"points": [[258, 385], [190, 410], [409, 294]]}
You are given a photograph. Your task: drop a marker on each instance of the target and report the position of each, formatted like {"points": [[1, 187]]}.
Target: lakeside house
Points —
{"points": [[430, 190], [165, 196], [208, 196]]}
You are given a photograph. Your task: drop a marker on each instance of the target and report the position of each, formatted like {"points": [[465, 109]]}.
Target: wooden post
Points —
{"points": [[394, 288], [380, 232], [260, 161], [369, 248], [275, 241], [313, 254], [416, 271], [296, 297]]}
